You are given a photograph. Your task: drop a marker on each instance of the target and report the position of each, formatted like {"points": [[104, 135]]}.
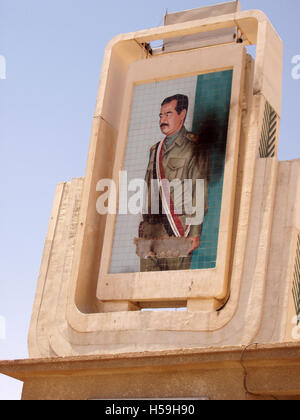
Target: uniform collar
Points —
{"points": [[180, 138], [177, 138]]}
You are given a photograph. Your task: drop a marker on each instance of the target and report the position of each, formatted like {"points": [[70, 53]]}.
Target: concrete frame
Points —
{"points": [[209, 285], [259, 372]]}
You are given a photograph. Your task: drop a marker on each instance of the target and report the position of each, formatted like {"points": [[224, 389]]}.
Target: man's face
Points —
{"points": [[170, 122]]}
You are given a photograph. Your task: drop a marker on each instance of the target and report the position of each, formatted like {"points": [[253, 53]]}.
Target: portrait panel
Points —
{"points": [[188, 147]]}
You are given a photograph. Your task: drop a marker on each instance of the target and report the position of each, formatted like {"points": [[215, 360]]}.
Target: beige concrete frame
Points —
{"points": [[66, 317], [190, 284]]}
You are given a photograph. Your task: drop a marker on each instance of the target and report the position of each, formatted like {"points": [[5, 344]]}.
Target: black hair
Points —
{"points": [[182, 102]]}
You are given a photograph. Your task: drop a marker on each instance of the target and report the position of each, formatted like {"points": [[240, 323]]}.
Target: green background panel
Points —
{"points": [[211, 115]]}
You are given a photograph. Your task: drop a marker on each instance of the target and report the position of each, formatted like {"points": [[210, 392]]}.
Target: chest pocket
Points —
{"points": [[175, 167]]}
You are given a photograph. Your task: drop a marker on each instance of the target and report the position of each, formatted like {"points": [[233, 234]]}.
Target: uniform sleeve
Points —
{"points": [[149, 172], [148, 178], [199, 169]]}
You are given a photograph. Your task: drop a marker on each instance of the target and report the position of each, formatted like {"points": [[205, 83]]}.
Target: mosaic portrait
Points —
{"points": [[177, 146]]}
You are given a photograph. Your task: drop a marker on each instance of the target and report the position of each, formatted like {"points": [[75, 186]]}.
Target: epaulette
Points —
{"points": [[193, 137], [153, 148]]}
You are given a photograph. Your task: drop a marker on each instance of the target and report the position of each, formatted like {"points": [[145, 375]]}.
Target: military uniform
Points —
{"points": [[183, 160]]}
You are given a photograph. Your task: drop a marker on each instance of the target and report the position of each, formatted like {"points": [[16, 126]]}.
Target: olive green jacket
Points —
{"points": [[185, 159]]}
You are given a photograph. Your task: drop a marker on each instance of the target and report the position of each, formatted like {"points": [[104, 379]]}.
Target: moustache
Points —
{"points": [[164, 125]]}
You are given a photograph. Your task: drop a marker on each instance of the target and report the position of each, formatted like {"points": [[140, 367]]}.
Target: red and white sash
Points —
{"points": [[167, 202]]}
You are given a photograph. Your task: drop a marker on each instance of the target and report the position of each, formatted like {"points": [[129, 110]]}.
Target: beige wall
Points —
{"points": [[228, 373]]}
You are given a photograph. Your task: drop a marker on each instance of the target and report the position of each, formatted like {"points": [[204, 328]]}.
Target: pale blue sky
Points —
{"points": [[54, 51]]}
